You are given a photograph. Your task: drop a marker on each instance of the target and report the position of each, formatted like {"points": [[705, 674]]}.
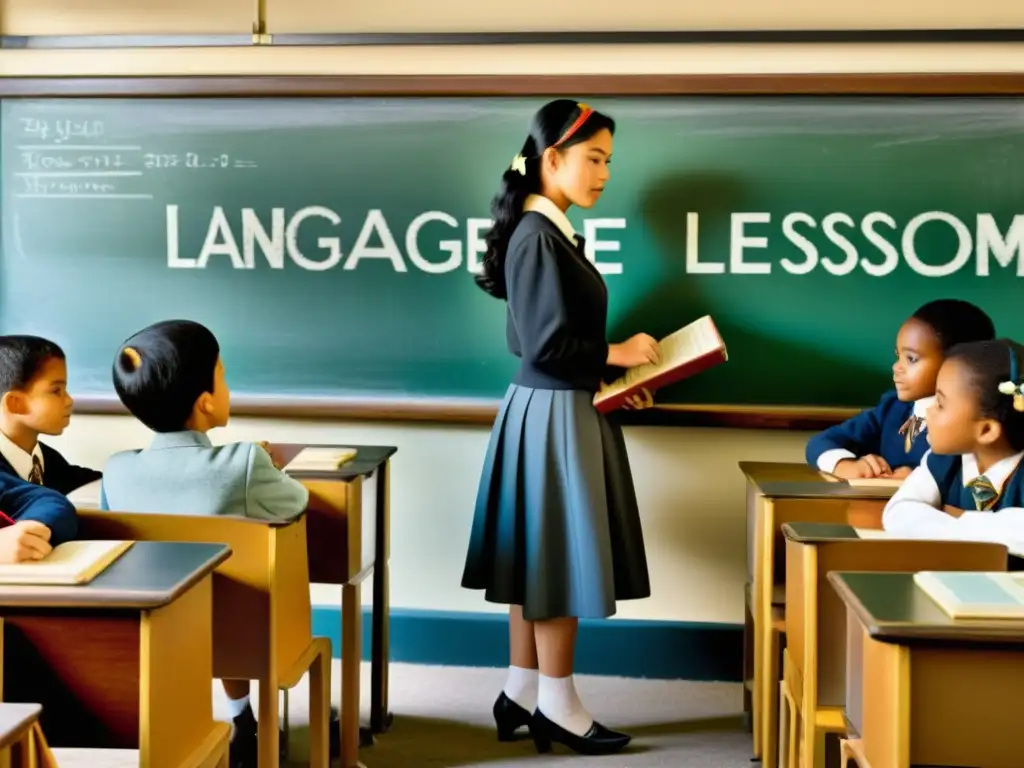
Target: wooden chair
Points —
{"points": [[262, 614], [814, 663]]}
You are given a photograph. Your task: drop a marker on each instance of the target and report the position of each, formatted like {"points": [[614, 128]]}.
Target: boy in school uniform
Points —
{"points": [[889, 440], [37, 520], [34, 401], [170, 376]]}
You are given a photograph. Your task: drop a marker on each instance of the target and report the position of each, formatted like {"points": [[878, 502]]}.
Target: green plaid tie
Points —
{"points": [[985, 494]]}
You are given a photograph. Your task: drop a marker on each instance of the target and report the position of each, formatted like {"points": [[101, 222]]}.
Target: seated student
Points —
{"points": [[976, 430], [43, 519], [170, 376], [889, 440], [34, 401]]}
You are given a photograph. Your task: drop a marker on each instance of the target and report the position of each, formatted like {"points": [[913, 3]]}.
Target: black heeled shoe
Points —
{"points": [[597, 741], [509, 717]]}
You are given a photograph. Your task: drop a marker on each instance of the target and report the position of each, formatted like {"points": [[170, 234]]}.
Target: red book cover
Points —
{"points": [[690, 350]]}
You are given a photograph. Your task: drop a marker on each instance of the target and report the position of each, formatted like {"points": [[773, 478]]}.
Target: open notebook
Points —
{"points": [[690, 350], [967, 595], [71, 563], [320, 459]]}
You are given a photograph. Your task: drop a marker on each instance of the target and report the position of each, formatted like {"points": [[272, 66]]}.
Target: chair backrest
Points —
{"points": [[261, 605], [823, 649]]}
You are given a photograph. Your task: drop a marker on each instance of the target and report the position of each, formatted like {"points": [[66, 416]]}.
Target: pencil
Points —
{"points": [[6, 517]]}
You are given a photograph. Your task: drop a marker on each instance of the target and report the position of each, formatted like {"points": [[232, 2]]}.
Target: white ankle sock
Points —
{"points": [[557, 700], [237, 706], [521, 687]]}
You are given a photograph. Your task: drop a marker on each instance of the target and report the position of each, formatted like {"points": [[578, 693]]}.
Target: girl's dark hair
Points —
{"points": [[956, 321], [560, 123], [161, 371], [989, 364]]}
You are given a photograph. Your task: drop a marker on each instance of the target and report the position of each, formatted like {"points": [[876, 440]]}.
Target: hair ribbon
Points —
{"points": [[1013, 387], [519, 164], [133, 356], [585, 112]]}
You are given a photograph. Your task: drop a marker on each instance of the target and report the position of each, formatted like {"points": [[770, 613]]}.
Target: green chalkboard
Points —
{"points": [[329, 242]]}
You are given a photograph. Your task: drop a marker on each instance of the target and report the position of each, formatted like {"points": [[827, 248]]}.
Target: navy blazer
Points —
{"points": [[22, 500], [874, 431], [58, 473]]}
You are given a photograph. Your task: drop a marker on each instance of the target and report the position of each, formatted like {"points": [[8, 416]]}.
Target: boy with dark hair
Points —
{"points": [[34, 401]]}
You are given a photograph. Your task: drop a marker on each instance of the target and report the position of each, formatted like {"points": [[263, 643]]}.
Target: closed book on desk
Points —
{"points": [[71, 563], [687, 352], [320, 459], [965, 595]]}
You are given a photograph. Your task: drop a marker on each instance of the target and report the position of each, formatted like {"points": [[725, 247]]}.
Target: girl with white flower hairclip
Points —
{"points": [[976, 431]]}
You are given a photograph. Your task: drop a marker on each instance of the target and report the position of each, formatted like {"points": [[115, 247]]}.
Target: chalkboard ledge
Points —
{"points": [[482, 411]]}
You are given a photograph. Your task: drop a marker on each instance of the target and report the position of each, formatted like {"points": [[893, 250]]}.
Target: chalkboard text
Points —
{"points": [[311, 239], [875, 244]]}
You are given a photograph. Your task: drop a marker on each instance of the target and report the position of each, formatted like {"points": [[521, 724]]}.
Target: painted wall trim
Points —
{"points": [[616, 647], [582, 37]]}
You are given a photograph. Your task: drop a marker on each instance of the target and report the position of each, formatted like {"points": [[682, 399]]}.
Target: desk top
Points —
{"points": [[14, 720], [367, 459], [799, 481], [894, 609], [150, 574]]}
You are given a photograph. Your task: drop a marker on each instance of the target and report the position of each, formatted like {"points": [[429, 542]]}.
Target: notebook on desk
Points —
{"points": [[320, 459], [687, 352], [69, 564], [865, 482], [966, 595]]}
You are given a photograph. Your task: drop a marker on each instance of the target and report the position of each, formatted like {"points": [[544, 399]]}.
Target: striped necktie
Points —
{"points": [[910, 430], [984, 493], [36, 475]]}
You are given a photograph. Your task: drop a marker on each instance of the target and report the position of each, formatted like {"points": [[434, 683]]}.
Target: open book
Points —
{"points": [[321, 459], [71, 563], [967, 595], [690, 350]]}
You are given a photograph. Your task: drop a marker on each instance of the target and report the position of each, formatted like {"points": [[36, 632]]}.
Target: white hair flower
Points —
{"points": [[1008, 388], [519, 165]]}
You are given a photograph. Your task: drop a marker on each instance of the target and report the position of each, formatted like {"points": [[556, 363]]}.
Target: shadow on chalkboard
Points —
{"points": [[760, 363], [666, 202]]}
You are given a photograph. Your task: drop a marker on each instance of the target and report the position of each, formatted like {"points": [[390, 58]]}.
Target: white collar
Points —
{"points": [[19, 459], [997, 474], [921, 407], [544, 206]]}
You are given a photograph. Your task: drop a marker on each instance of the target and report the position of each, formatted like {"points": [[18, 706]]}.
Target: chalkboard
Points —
{"points": [[329, 242]]}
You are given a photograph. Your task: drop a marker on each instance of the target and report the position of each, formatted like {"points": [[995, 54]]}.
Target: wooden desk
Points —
{"points": [[814, 677], [779, 493], [22, 744], [925, 689], [349, 521], [126, 661]]}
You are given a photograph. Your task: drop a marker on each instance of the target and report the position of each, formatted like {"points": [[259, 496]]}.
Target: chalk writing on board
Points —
{"points": [[70, 158]]}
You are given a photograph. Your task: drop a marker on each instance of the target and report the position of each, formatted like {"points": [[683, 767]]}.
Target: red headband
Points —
{"points": [[585, 112]]}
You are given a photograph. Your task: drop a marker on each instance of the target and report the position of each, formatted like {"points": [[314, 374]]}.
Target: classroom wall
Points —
{"points": [[690, 491]]}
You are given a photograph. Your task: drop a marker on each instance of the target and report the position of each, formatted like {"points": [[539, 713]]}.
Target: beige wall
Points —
{"points": [[35, 17], [691, 493]]}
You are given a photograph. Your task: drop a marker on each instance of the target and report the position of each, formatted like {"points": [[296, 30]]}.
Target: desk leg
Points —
{"points": [[351, 658], [380, 717]]}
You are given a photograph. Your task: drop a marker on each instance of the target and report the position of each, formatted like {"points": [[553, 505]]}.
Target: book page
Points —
{"points": [[68, 563], [688, 343], [320, 459]]}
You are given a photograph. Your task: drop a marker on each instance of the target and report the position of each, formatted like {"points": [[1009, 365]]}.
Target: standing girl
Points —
{"points": [[556, 533]]}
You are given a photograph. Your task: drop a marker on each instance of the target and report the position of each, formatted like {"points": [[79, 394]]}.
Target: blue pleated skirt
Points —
{"points": [[556, 527]]}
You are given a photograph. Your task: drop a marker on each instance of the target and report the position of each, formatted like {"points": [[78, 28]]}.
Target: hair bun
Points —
{"points": [[131, 357]]}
